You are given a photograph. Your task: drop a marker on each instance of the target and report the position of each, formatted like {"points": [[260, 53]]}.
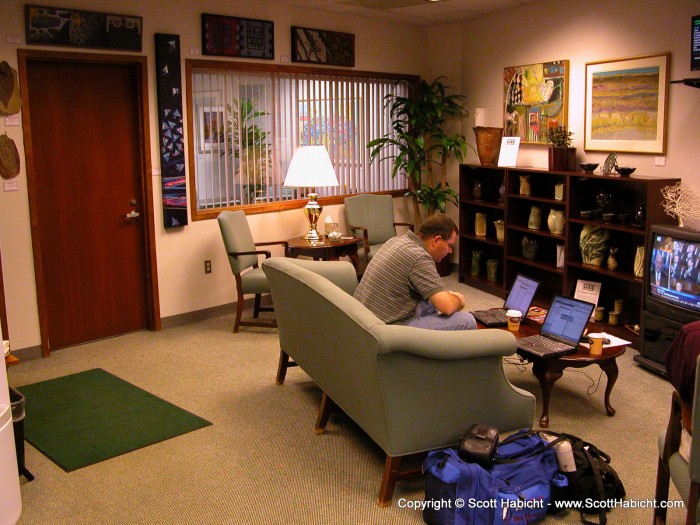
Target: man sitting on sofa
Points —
{"points": [[401, 284]]}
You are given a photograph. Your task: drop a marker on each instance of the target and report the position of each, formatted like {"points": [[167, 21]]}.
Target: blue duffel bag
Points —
{"points": [[514, 490]]}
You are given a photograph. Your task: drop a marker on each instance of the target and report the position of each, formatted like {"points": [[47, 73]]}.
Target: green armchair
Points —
{"points": [[411, 390], [243, 258], [371, 217]]}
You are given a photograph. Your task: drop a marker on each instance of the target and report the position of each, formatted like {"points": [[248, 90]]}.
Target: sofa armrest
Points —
{"points": [[444, 344]]}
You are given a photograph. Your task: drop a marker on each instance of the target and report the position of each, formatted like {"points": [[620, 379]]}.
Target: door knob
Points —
{"points": [[132, 215]]}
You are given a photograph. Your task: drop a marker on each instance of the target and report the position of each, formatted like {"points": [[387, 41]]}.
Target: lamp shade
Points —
{"points": [[310, 168]]}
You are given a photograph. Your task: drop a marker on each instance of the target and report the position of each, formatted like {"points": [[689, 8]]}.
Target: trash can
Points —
{"points": [[17, 401]]}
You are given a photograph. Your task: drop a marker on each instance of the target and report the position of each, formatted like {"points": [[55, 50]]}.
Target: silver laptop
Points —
{"points": [[562, 329], [519, 298]]}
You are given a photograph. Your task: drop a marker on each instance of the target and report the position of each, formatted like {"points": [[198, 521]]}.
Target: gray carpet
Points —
{"points": [[260, 461]]}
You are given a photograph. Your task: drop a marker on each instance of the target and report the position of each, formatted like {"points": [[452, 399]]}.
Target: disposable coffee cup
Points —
{"points": [[596, 341], [514, 318]]}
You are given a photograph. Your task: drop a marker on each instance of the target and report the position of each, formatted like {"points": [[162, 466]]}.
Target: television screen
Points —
{"points": [[674, 272], [695, 43]]}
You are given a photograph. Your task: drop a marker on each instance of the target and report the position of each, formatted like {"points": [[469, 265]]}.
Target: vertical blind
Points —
{"points": [[247, 124]]}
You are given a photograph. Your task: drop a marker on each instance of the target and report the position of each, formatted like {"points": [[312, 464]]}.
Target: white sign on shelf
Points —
{"points": [[588, 291], [509, 151]]}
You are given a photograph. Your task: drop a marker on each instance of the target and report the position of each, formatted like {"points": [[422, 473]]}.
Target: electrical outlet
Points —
{"points": [[207, 266]]}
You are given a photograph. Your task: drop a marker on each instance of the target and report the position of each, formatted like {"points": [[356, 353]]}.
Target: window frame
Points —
{"points": [[190, 64]]}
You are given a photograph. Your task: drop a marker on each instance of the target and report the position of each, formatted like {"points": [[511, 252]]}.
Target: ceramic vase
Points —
{"points": [[559, 192], [480, 225], [535, 220], [478, 190], [555, 221], [560, 257], [525, 185], [492, 269], [612, 260], [500, 229], [639, 262], [476, 262], [593, 242], [529, 248], [488, 144]]}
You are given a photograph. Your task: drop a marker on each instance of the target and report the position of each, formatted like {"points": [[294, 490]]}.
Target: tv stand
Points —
{"points": [[656, 335]]}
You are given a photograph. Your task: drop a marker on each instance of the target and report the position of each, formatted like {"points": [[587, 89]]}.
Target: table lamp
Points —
{"points": [[311, 168]]}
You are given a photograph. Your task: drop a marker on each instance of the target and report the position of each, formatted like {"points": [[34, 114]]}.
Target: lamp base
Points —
{"points": [[312, 210]]}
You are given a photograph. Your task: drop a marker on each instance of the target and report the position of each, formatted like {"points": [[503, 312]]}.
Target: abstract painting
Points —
{"points": [[626, 104], [315, 46], [172, 144], [237, 37], [89, 29], [535, 98]]}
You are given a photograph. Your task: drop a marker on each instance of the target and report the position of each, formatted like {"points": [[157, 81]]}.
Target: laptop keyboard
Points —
{"points": [[545, 342], [491, 316]]}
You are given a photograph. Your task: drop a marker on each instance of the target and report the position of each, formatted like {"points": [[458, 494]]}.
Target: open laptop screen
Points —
{"points": [[521, 294], [566, 319]]}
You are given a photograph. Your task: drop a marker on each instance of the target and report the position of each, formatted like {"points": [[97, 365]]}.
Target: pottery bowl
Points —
{"points": [[608, 217], [586, 214], [588, 167], [624, 170]]}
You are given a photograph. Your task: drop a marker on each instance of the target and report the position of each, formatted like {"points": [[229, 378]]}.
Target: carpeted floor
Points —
{"points": [[260, 461]]}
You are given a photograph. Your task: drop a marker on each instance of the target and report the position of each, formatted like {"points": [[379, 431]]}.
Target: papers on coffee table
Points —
{"points": [[614, 341]]}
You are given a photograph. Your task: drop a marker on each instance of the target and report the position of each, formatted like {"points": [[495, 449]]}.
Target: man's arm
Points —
{"points": [[447, 302]]}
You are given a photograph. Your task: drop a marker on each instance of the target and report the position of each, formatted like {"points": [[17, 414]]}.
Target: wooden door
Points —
{"points": [[89, 200]]}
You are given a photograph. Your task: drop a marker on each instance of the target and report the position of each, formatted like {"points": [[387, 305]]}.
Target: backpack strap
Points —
{"points": [[602, 518]]}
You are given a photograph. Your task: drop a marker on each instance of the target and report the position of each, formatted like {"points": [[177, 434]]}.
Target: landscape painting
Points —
{"points": [[626, 105], [535, 98]]}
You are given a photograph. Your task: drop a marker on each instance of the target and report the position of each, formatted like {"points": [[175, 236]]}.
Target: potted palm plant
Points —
{"points": [[247, 144], [562, 156], [420, 146]]}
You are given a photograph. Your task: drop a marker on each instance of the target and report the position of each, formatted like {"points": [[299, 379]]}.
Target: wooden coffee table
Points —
{"points": [[549, 370], [326, 250]]}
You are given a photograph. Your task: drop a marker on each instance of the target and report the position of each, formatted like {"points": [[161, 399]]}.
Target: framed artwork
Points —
{"points": [[535, 98], [237, 37], [626, 104], [211, 127], [315, 46], [172, 144], [58, 26]]}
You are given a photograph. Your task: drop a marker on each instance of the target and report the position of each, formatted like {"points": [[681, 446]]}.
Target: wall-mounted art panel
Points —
{"points": [[58, 26], [315, 46], [171, 144], [237, 37]]}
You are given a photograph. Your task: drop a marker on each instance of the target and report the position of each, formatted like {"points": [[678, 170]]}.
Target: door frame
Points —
{"points": [[140, 63]]}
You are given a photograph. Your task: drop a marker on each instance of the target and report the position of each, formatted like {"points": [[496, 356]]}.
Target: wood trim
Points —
{"points": [[141, 63], [252, 209], [309, 70]]}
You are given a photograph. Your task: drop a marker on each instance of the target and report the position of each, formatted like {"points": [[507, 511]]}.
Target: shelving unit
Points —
{"points": [[579, 193]]}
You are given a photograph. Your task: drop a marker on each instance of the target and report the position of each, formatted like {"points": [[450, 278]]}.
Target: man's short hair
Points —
{"points": [[437, 224]]}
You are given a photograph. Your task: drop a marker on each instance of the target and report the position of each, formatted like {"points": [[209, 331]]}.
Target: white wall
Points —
{"points": [[183, 286], [587, 31]]}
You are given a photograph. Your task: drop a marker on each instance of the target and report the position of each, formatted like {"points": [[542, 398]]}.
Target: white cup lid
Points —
{"points": [[514, 313]]}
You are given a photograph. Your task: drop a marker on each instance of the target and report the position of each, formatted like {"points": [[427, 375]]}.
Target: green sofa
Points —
{"points": [[411, 390]]}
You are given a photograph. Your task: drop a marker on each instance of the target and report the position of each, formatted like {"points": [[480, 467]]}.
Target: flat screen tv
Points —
{"points": [[672, 279]]}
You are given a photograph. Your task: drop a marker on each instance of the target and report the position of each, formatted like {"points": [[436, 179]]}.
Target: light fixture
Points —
{"points": [[311, 168]]}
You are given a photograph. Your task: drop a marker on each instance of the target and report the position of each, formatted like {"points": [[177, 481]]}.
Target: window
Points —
{"points": [[246, 120]]}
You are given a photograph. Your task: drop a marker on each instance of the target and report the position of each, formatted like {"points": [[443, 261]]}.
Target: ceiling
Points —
{"points": [[419, 12]]}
